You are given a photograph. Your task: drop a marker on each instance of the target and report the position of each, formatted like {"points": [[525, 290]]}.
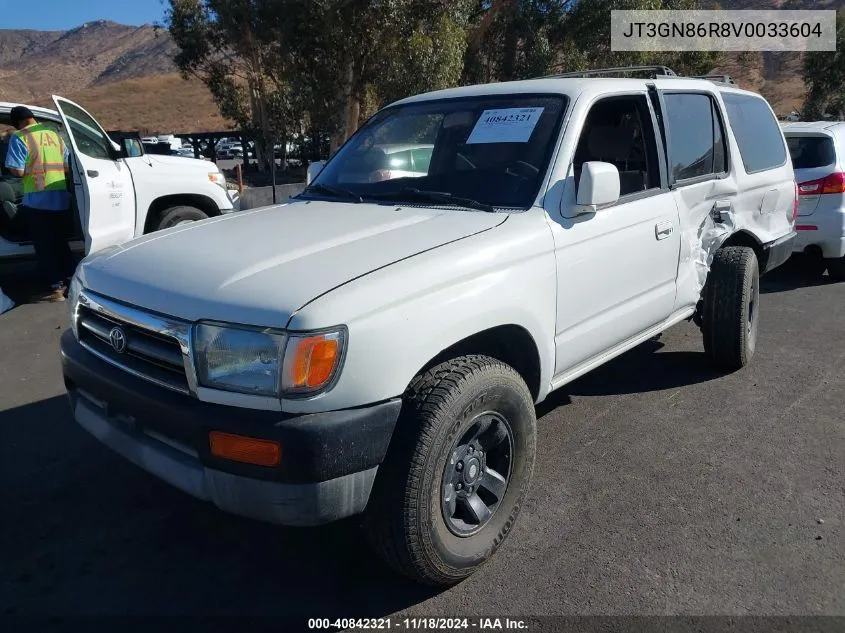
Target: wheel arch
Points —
{"points": [[511, 344], [749, 240], [161, 204]]}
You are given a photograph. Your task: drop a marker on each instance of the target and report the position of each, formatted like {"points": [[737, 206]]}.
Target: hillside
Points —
{"points": [[124, 75], [151, 105]]}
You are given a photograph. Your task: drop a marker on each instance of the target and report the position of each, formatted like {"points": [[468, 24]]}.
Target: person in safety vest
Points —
{"points": [[38, 155]]}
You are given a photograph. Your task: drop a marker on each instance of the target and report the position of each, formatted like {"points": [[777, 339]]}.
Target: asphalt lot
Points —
{"points": [[660, 488]]}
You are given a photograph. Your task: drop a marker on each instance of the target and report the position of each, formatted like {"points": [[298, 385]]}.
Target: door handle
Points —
{"points": [[92, 173], [663, 230]]}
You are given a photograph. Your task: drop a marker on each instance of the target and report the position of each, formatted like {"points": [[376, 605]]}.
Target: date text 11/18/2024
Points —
{"points": [[418, 624]]}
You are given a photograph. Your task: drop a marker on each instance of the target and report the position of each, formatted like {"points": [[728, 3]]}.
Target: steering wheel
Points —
{"points": [[528, 170], [466, 160]]}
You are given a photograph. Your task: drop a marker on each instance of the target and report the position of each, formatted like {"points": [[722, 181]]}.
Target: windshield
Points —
{"points": [[811, 151], [490, 150]]}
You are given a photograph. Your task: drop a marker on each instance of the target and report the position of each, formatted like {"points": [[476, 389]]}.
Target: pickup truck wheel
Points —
{"points": [[460, 462], [731, 305], [836, 268], [175, 216]]}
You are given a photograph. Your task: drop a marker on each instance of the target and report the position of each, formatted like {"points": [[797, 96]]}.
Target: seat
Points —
{"points": [[615, 144]]}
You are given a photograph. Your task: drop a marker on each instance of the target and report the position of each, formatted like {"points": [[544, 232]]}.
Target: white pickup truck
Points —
{"points": [[119, 192], [377, 346]]}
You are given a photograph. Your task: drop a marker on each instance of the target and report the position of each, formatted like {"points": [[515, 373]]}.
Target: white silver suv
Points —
{"points": [[816, 149], [378, 346]]}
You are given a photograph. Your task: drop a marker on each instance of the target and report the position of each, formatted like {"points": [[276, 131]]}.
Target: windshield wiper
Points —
{"points": [[439, 197], [334, 191]]}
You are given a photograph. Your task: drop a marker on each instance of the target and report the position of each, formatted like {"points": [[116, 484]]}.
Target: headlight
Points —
{"points": [[242, 360], [73, 302], [267, 362], [217, 178]]}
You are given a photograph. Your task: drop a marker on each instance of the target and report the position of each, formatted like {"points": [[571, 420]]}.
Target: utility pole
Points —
{"points": [[273, 163]]}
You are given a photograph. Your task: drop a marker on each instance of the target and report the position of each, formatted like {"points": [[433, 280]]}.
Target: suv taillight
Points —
{"points": [[795, 204], [835, 183]]}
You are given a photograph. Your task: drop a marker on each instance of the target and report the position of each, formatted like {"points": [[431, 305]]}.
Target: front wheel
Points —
{"points": [[179, 215], [459, 465], [731, 307]]}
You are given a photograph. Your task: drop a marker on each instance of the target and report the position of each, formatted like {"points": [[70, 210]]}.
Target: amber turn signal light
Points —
{"points": [[247, 450], [314, 361]]}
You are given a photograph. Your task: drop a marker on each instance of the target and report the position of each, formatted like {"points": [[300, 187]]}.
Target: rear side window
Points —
{"points": [[696, 137], [811, 151], [757, 132]]}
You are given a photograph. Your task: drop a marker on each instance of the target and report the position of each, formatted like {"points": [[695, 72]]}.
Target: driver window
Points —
{"points": [[619, 131], [90, 140]]}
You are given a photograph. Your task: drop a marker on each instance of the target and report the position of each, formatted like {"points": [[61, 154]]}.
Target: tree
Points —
{"points": [[516, 39], [349, 56], [222, 43], [519, 39], [824, 76]]}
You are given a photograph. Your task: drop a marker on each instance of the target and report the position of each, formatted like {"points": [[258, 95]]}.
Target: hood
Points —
{"points": [[259, 267], [182, 161]]}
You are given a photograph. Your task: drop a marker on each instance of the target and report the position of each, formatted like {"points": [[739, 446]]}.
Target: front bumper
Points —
{"points": [[329, 460], [235, 199]]}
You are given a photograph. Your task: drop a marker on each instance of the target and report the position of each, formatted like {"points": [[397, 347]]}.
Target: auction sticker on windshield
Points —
{"points": [[508, 125]]}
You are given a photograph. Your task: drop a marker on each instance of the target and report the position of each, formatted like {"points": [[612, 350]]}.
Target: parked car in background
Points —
{"points": [[377, 345], [120, 190], [818, 156]]}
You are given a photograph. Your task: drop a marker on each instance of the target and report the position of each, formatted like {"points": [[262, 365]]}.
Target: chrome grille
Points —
{"points": [[149, 347]]}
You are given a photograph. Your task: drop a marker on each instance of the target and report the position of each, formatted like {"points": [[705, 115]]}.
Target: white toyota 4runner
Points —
{"points": [[119, 193], [377, 345]]}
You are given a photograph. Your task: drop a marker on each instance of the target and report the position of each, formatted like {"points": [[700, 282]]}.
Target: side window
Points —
{"points": [[618, 130], [757, 132], [696, 136], [90, 140]]}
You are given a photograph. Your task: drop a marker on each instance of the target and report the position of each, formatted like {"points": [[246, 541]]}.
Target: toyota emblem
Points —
{"points": [[117, 338]]}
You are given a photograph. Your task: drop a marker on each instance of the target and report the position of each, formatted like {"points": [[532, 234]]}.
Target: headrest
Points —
{"points": [[611, 142]]}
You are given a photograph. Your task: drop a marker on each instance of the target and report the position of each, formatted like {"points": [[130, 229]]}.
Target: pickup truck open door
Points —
{"points": [[102, 182]]}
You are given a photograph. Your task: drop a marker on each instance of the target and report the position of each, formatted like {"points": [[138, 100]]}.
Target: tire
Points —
{"points": [[417, 520], [731, 300], [836, 268], [178, 215]]}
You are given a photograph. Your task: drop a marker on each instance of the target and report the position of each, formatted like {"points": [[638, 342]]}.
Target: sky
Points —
{"points": [[61, 15]]}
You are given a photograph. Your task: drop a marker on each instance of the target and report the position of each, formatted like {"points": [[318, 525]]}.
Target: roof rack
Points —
{"points": [[721, 79], [656, 71], [653, 71]]}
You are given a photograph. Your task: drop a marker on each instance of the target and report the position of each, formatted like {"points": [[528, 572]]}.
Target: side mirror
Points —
{"points": [[598, 186], [314, 170]]}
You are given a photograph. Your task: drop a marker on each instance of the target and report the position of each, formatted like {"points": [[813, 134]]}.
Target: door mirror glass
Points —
{"points": [[132, 148], [598, 186]]}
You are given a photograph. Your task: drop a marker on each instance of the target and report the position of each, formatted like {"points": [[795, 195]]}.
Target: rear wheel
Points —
{"points": [[458, 468], [836, 268], [731, 305], [175, 216]]}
